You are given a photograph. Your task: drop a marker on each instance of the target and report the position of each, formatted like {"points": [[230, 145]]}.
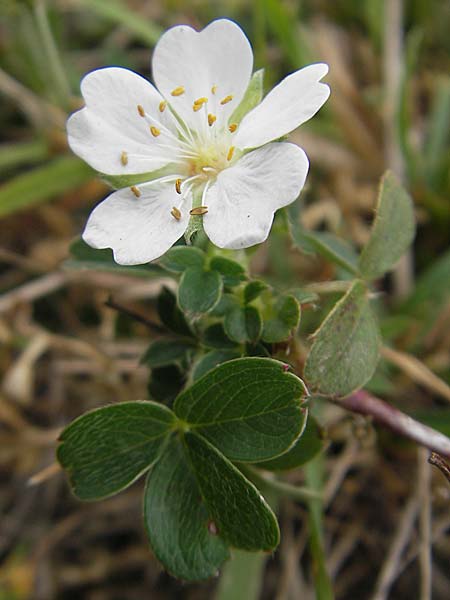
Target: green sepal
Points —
{"points": [[252, 97], [106, 450], [240, 514]]}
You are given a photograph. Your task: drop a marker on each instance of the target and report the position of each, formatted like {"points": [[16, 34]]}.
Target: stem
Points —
{"points": [[55, 65], [242, 576], [323, 585], [300, 494], [328, 287], [365, 404]]}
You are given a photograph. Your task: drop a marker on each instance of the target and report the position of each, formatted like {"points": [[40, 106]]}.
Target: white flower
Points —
{"points": [[128, 127]]}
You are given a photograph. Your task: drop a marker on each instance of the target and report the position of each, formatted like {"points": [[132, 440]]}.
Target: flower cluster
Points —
{"points": [[233, 174]]}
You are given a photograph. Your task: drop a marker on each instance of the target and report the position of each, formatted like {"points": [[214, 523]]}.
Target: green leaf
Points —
{"points": [[304, 296], [118, 13], [226, 303], [326, 244], [107, 449], [214, 336], [284, 322], [164, 352], [241, 515], [232, 272], [345, 351], [43, 183], [252, 97], [86, 258], [249, 408], [253, 289], [199, 291], [211, 360], [169, 313], [243, 324], [307, 446], [180, 258], [392, 231], [165, 383], [177, 520]]}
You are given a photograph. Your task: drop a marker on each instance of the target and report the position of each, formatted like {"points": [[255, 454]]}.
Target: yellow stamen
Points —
{"points": [[230, 153], [136, 191], [162, 106], [141, 110], [226, 99], [201, 100], [178, 91], [199, 210], [232, 127], [211, 119], [196, 107], [178, 186], [176, 213], [214, 89], [154, 131], [124, 158]]}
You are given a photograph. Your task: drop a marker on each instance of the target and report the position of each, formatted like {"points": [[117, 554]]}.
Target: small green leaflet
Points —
{"points": [[345, 350], [241, 515], [107, 449], [249, 408], [177, 521], [199, 291], [392, 232]]}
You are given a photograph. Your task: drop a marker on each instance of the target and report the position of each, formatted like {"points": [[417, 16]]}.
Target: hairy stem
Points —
{"points": [[365, 404]]}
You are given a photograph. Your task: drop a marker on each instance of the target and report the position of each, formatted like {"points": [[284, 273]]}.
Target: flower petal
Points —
{"points": [[137, 229], [220, 55], [110, 124], [292, 102], [243, 200]]}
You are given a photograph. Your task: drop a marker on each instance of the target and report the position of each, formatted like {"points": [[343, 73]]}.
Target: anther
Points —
{"points": [[202, 100], [196, 107], [178, 186], [176, 213], [154, 131], [211, 119], [199, 210], [136, 191], [226, 99], [124, 158], [162, 106], [214, 89], [230, 153], [178, 91], [232, 127], [141, 110]]}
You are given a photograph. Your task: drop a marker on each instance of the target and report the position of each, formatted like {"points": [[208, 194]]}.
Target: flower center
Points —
{"points": [[201, 152]]}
